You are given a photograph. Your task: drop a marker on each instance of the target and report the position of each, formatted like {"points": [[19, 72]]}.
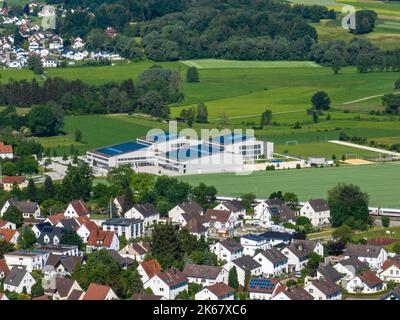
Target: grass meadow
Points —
{"points": [[379, 181]]}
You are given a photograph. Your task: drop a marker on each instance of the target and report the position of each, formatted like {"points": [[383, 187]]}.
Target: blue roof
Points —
{"points": [[276, 235], [120, 148], [262, 284], [193, 152], [163, 137], [229, 139], [253, 237]]}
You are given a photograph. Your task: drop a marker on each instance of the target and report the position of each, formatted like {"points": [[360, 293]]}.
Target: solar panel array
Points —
{"points": [[263, 284]]}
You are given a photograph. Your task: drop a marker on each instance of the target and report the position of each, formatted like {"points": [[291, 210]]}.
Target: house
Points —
{"points": [[78, 44], [30, 260], [217, 291], [168, 284], [261, 211], [190, 207], [393, 295], [251, 243], [68, 224], [128, 228], [234, 206], [317, 210], [18, 279], [204, 274], [50, 63], [138, 296], [184, 218], [76, 209], [350, 267], [135, 251], [123, 262], [54, 218], [293, 293], [4, 270], [227, 250], [148, 269], [63, 288], [275, 238], [324, 289], [99, 292], [86, 227], [9, 235], [365, 282], [298, 251], [262, 288], [64, 265], [28, 209], [146, 212], [3, 297], [326, 270], [6, 151], [390, 271], [50, 235], [244, 265], [120, 205], [273, 262], [7, 225], [375, 256], [220, 223], [196, 228], [100, 239]]}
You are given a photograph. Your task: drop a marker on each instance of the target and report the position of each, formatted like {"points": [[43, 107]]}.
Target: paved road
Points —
{"points": [[358, 146]]}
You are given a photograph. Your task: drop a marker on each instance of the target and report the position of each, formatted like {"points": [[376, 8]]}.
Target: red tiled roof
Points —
{"points": [[3, 223], [100, 238], [390, 262], [220, 289], [55, 218], [151, 267], [7, 234], [42, 298], [80, 207], [4, 267], [89, 224], [216, 215], [96, 292], [370, 278], [5, 148], [14, 179]]}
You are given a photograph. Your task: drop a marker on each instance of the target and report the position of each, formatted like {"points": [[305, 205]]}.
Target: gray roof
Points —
{"points": [[201, 271], [147, 209], [24, 206], [363, 250], [246, 263], [123, 262], [75, 295], [319, 205], [69, 224], [298, 293], [15, 276], [122, 221], [231, 245], [63, 286], [233, 205], [194, 225], [283, 211], [356, 264], [302, 248], [328, 271], [394, 293], [69, 262], [327, 286], [51, 232], [191, 207], [274, 255]]}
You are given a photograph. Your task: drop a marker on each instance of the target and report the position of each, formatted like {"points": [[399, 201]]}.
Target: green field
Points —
{"points": [[242, 92], [99, 130], [380, 181]]}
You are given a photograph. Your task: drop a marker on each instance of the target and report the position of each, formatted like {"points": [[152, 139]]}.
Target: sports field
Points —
{"points": [[381, 182]]}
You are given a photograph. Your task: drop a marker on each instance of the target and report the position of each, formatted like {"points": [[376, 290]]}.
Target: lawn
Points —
{"points": [[380, 181], [378, 232], [97, 131]]}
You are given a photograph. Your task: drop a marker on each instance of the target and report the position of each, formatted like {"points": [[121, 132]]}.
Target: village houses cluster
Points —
{"points": [[44, 42], [265, 262]]}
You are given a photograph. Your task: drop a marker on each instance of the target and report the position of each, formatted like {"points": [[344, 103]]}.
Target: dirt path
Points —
{"points": [[256, 115], [358, 146], [367, 98]]}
